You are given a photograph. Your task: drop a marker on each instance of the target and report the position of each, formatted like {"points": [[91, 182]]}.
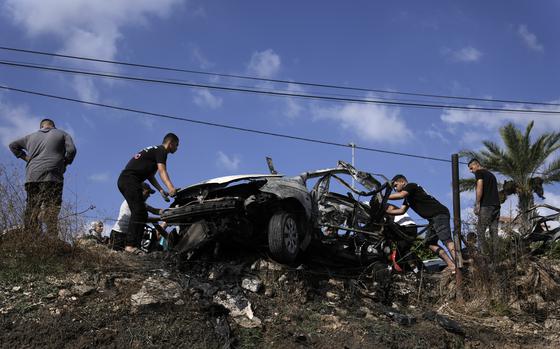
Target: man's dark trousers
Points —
{"points": [[488, 217], [131, 188]]}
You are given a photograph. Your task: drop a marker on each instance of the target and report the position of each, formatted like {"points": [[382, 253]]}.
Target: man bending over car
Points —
{"points": [[427, 207], [142, 166]]}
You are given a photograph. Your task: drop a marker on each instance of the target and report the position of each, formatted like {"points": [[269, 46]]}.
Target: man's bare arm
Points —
{"points": [[399, 195], [479, 189], [153, 209], [162, 169], [394, 211], [155, 183]]}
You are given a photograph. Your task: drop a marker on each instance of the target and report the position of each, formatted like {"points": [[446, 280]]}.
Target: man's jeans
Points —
{"points": [[488, 219], [43, 204]]}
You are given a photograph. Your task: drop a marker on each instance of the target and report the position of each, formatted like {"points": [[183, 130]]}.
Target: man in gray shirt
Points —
{"points": [[47, 152]]}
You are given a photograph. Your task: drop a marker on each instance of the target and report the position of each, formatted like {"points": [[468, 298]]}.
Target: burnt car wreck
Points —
{"points": [[282, 213]]}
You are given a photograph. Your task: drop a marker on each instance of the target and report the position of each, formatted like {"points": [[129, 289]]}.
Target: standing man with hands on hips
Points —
{"points": [[142, 166]]}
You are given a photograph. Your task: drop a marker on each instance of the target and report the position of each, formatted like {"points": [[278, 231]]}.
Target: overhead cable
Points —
{"points": [[214, 124], [254, 78], [283, 94]]}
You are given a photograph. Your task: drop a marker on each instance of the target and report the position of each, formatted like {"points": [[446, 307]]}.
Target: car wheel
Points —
{"points": [[284, 236]]}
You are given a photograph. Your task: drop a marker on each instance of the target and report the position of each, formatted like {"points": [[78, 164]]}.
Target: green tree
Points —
{"points": [[524, 163]]}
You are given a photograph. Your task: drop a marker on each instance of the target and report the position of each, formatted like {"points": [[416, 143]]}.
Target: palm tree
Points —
{"points": [[523, 162]]}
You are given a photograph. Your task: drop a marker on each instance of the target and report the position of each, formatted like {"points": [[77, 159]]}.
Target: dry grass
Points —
{"points": [[515, 284], [26, 254]]}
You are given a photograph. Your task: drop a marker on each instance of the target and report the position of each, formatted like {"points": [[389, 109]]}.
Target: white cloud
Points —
{"points": [[293, 106], [199, 58], [529, 38], [15, 122], [434, 133], [205, 98], [264, 64], [477, 126], [85, 27], [99, 177], [364, 120], [465, 54], [85, 88], [230, 163]]}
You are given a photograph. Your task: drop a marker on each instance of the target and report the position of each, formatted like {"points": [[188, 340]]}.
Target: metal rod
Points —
{"points": [[353, 146]]}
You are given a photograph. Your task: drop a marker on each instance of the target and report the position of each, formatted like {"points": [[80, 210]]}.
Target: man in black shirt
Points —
{"points": [[142, 166], [487, 207], [427, 207]]}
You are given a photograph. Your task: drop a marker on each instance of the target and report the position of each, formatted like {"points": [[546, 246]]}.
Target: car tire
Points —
{"points": [[284, 235]]}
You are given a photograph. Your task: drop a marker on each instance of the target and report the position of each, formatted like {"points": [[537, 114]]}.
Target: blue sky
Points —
{"points": [[498, 49]]}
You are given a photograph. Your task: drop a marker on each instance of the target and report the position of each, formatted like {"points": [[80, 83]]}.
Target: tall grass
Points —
{"points": [[25, 253]]}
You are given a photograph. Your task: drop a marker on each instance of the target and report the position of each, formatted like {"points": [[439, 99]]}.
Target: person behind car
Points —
{"points": [[470, 250], [487, 207], [96, 232], [143, 166], [427, 207], [409, 228], [118, 233]]}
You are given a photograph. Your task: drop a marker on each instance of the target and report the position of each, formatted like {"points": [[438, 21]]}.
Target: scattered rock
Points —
{"points": [[63, 293], [252, 284], [336, 283], [261, 264], [552, 324], [269, 292], [445, 322], [208, 290], [180, 302], [82, 290], [402, 319], [283, 278], [155, 291], [16, 288], [50, 296], [332, 322], [239, 308], [332, 296]]}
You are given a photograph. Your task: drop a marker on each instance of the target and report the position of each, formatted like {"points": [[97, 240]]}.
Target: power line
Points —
{"points": [[283, 94], [213, 124], [253, 78], [235, 86]]}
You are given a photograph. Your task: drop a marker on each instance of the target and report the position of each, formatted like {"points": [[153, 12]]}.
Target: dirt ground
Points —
{"points": [[115, 300]]}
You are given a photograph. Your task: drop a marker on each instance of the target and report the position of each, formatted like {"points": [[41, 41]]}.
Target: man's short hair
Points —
{"points": [[473, 160], [397, 177], [170, 137], [46, 121]]}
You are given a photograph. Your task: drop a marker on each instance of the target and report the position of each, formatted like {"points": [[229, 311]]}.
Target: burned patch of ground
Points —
{"points": [[97, 298]]}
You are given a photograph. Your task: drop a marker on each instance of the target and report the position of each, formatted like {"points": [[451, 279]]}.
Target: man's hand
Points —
{"points": [[172, 192], [164, 195], [477, 209]]}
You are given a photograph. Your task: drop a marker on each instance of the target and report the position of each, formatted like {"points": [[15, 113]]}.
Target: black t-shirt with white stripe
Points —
{"points": [[144, 164]]}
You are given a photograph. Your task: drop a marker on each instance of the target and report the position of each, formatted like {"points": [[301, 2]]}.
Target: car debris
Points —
{"points": [[291, 215]]}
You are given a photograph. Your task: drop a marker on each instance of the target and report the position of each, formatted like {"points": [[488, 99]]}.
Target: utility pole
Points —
{"points": [[457, 225], [353, 146]]}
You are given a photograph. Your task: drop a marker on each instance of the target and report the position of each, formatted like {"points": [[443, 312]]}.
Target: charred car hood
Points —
{"points": [[223, 181]]}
